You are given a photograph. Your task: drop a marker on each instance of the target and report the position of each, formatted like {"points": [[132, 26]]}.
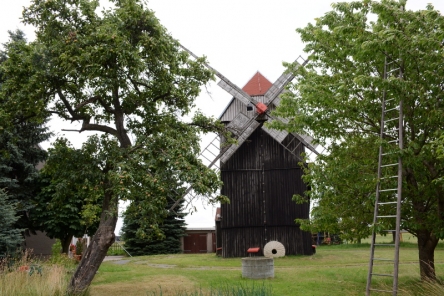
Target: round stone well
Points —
{"points": [[257, 267]]}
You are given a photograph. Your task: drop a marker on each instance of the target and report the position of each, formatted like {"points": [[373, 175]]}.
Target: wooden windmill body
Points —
{"points": [[260, 175]]}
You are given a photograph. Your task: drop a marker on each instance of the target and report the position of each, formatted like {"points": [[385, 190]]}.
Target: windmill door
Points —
{"points": [[195, 243]]}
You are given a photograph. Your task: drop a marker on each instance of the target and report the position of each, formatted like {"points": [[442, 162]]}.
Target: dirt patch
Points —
{"points": [[159, 285]]}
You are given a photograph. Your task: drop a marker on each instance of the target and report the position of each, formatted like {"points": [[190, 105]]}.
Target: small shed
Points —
{"points": [[39, 243], [199, 240]]}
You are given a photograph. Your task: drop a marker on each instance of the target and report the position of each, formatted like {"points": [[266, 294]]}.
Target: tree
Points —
{"points": [[61, 208], [119, 73], [20, 153], [10, 237], [337, 99], [172, 228]]}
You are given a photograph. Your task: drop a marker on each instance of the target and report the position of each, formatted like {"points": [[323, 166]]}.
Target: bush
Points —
{"points": [[57, 257]]}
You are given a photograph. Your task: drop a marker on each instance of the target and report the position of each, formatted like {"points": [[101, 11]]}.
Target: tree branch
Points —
{"points": [[106, 107], [86, 126], [90, 100], [74, 114]]}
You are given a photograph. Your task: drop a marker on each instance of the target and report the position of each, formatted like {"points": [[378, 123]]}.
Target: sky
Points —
{"points": [[238, 37]]}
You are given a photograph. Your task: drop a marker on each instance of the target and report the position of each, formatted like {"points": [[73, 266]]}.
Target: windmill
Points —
{"points": [[260, 173]]}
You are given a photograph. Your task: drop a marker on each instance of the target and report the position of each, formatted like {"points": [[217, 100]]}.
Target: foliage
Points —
{"points": [[337, 99], [62, 209], [19, 150], [167, 241], [10, 237], [59, 258], [79, 247], [119, 73]]}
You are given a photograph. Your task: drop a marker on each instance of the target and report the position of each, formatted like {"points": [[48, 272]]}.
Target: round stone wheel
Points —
{"points": [[274, 249]]}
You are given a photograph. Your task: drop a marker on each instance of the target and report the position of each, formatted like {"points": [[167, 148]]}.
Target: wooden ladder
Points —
{"points": [[387, 212]]}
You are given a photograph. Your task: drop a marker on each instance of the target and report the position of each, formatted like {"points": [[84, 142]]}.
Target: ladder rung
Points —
{"points": [[393, 141], [388, 153], [387, 203], [391, 177], [389, 165], [389, 100], [393, 119], [393, 70], [383, 274], [386, 190], [386, 216], [379, 290], [388, 110], [383, 259]]}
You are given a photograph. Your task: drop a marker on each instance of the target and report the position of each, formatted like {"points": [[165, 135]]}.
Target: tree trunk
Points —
{"points": [[97, 249], [66, 242], [426, 246]]}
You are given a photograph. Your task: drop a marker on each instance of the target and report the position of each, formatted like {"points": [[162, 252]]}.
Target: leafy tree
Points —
{"points": [[337, 98], [20, 153], [10, 236], [172, 228], [61, 208], [119, 73]]}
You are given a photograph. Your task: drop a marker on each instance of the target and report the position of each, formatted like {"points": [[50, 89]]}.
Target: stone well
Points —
{"points": [[257, 267]]}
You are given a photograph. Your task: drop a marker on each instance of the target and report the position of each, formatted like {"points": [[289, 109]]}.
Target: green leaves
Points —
{"points": [[337, 99]]}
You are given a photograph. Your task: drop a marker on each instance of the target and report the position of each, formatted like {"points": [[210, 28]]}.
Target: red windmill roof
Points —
{"points": [[257, 86]]}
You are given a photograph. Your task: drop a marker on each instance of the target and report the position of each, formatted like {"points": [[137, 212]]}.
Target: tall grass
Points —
{"points": [[25, 275], [52, 281]]}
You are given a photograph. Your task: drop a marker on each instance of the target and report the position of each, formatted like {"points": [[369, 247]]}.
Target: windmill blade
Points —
{"points": [[226, 84], [307, 142], [291, 145], [242, 127], [275, 134], [272, 95], [239, 123], [249, 129], [236, 92], [209, 156]]}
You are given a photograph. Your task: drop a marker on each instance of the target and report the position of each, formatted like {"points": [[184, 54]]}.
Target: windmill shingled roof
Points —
{"points": [[257, 86]]}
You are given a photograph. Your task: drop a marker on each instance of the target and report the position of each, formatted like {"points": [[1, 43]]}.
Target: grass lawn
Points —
{"points": [[333, 270]]}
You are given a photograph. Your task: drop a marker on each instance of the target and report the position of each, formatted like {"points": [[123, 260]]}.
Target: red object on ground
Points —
{"points": [[253, 250], [261, 108]]}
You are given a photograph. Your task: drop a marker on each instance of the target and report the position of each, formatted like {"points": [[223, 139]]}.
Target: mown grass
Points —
{"points": [[333, 270]]}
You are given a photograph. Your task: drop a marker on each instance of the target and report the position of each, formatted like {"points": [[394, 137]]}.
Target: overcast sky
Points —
{"points": [[239, 37]]}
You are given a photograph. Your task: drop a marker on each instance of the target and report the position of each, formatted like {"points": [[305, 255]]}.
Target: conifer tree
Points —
{"points": [[10, 237], [20, 153], [167, 242]]}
